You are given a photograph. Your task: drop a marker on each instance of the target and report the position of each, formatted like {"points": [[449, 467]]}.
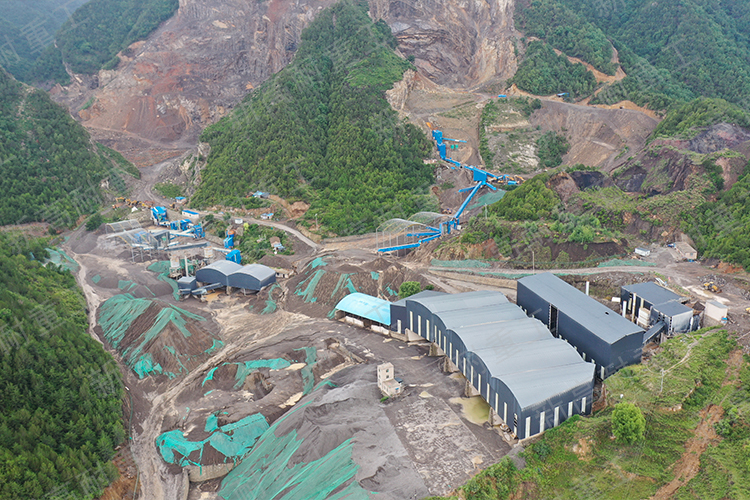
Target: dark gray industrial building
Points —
{"points": [[217, 272], [399, 315], [252, 277], [659, 305], [599, 334], [530, 379]]}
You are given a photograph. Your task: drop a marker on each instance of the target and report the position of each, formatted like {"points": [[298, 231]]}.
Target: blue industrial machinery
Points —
{"points": [[235, 256], [159, 214], [481, 177]]}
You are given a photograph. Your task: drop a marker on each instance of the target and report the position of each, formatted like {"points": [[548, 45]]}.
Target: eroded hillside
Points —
{"points": [[201, 62]]}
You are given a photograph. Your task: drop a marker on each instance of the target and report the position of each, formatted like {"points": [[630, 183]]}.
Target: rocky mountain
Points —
{"points": [[202, 61]]}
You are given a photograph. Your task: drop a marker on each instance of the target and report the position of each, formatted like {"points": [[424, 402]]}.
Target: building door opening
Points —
{"points": [[553, 320]]}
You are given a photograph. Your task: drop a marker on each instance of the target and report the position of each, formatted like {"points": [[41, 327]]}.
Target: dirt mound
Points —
{"points": [[340, 453], [317, 289], [154, 338]]}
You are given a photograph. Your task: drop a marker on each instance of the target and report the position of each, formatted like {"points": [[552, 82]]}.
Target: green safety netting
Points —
{"points": [[308, 378], [162, 268], [375, 275], [487, 199], [308, 292], [318, 262], [271, 305], [345, 281], [60, 258], [267, 472], [116, 316], [233, 441], [626, 262], [459, 263], [247, 367], [96, 279]]}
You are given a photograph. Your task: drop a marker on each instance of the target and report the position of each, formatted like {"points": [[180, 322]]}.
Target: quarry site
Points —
{"points": [[304, 376], [207, 375]]}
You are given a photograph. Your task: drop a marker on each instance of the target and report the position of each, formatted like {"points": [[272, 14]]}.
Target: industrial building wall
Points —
{"points": [[211, 276], [523, 422], [608, 358]]}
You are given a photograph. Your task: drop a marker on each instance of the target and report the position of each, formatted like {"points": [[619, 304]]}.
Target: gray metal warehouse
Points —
{"points": [[399, 315], [252, 277], [217, 272], [599, 334], [648, 304], [530, 379]]}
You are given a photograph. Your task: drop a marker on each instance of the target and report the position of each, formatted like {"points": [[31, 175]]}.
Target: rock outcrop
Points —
{"points": [[200, 63], [458, 44]]}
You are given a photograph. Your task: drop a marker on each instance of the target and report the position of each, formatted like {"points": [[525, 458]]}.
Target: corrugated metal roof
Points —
{"points": [[485, 315], [508, 335], [535, 386], [672, 308], [665, 301], [462, 301], [421, 295], [226, 267], [592, 315], [366, 306], [651, 292], [258, 271], [518, 350]]}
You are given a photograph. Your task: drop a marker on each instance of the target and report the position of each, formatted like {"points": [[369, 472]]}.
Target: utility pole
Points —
{"points": [[533, 263]]}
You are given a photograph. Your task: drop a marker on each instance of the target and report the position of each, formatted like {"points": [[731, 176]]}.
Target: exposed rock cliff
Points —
{"points": [[460, 44], [202, 61]]}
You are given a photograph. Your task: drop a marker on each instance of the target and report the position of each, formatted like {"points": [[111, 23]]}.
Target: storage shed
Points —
{"points": [[715, 313], [252, 277], [530, 379], [218, 272], [398, 310], [648, 303], [686, 251], [599, 334]]}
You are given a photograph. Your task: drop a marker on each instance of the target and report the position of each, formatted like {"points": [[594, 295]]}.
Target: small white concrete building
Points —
{"points": [[387, 382], [686, 251], [715, 313]]}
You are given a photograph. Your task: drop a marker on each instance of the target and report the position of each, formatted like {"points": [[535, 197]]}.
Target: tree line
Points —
{"points": [[60, 391]]}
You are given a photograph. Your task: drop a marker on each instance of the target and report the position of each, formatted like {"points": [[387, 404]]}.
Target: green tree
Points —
{"points": [[93, 222], [628, 423], [409, 288]]}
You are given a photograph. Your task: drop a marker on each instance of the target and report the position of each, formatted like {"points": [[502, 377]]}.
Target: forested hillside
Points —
{"points": [[543, 72], [60, 392], [27, 31], [86, 35], [96, 32], [49, 168], [673, 49], [320, 130]]}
